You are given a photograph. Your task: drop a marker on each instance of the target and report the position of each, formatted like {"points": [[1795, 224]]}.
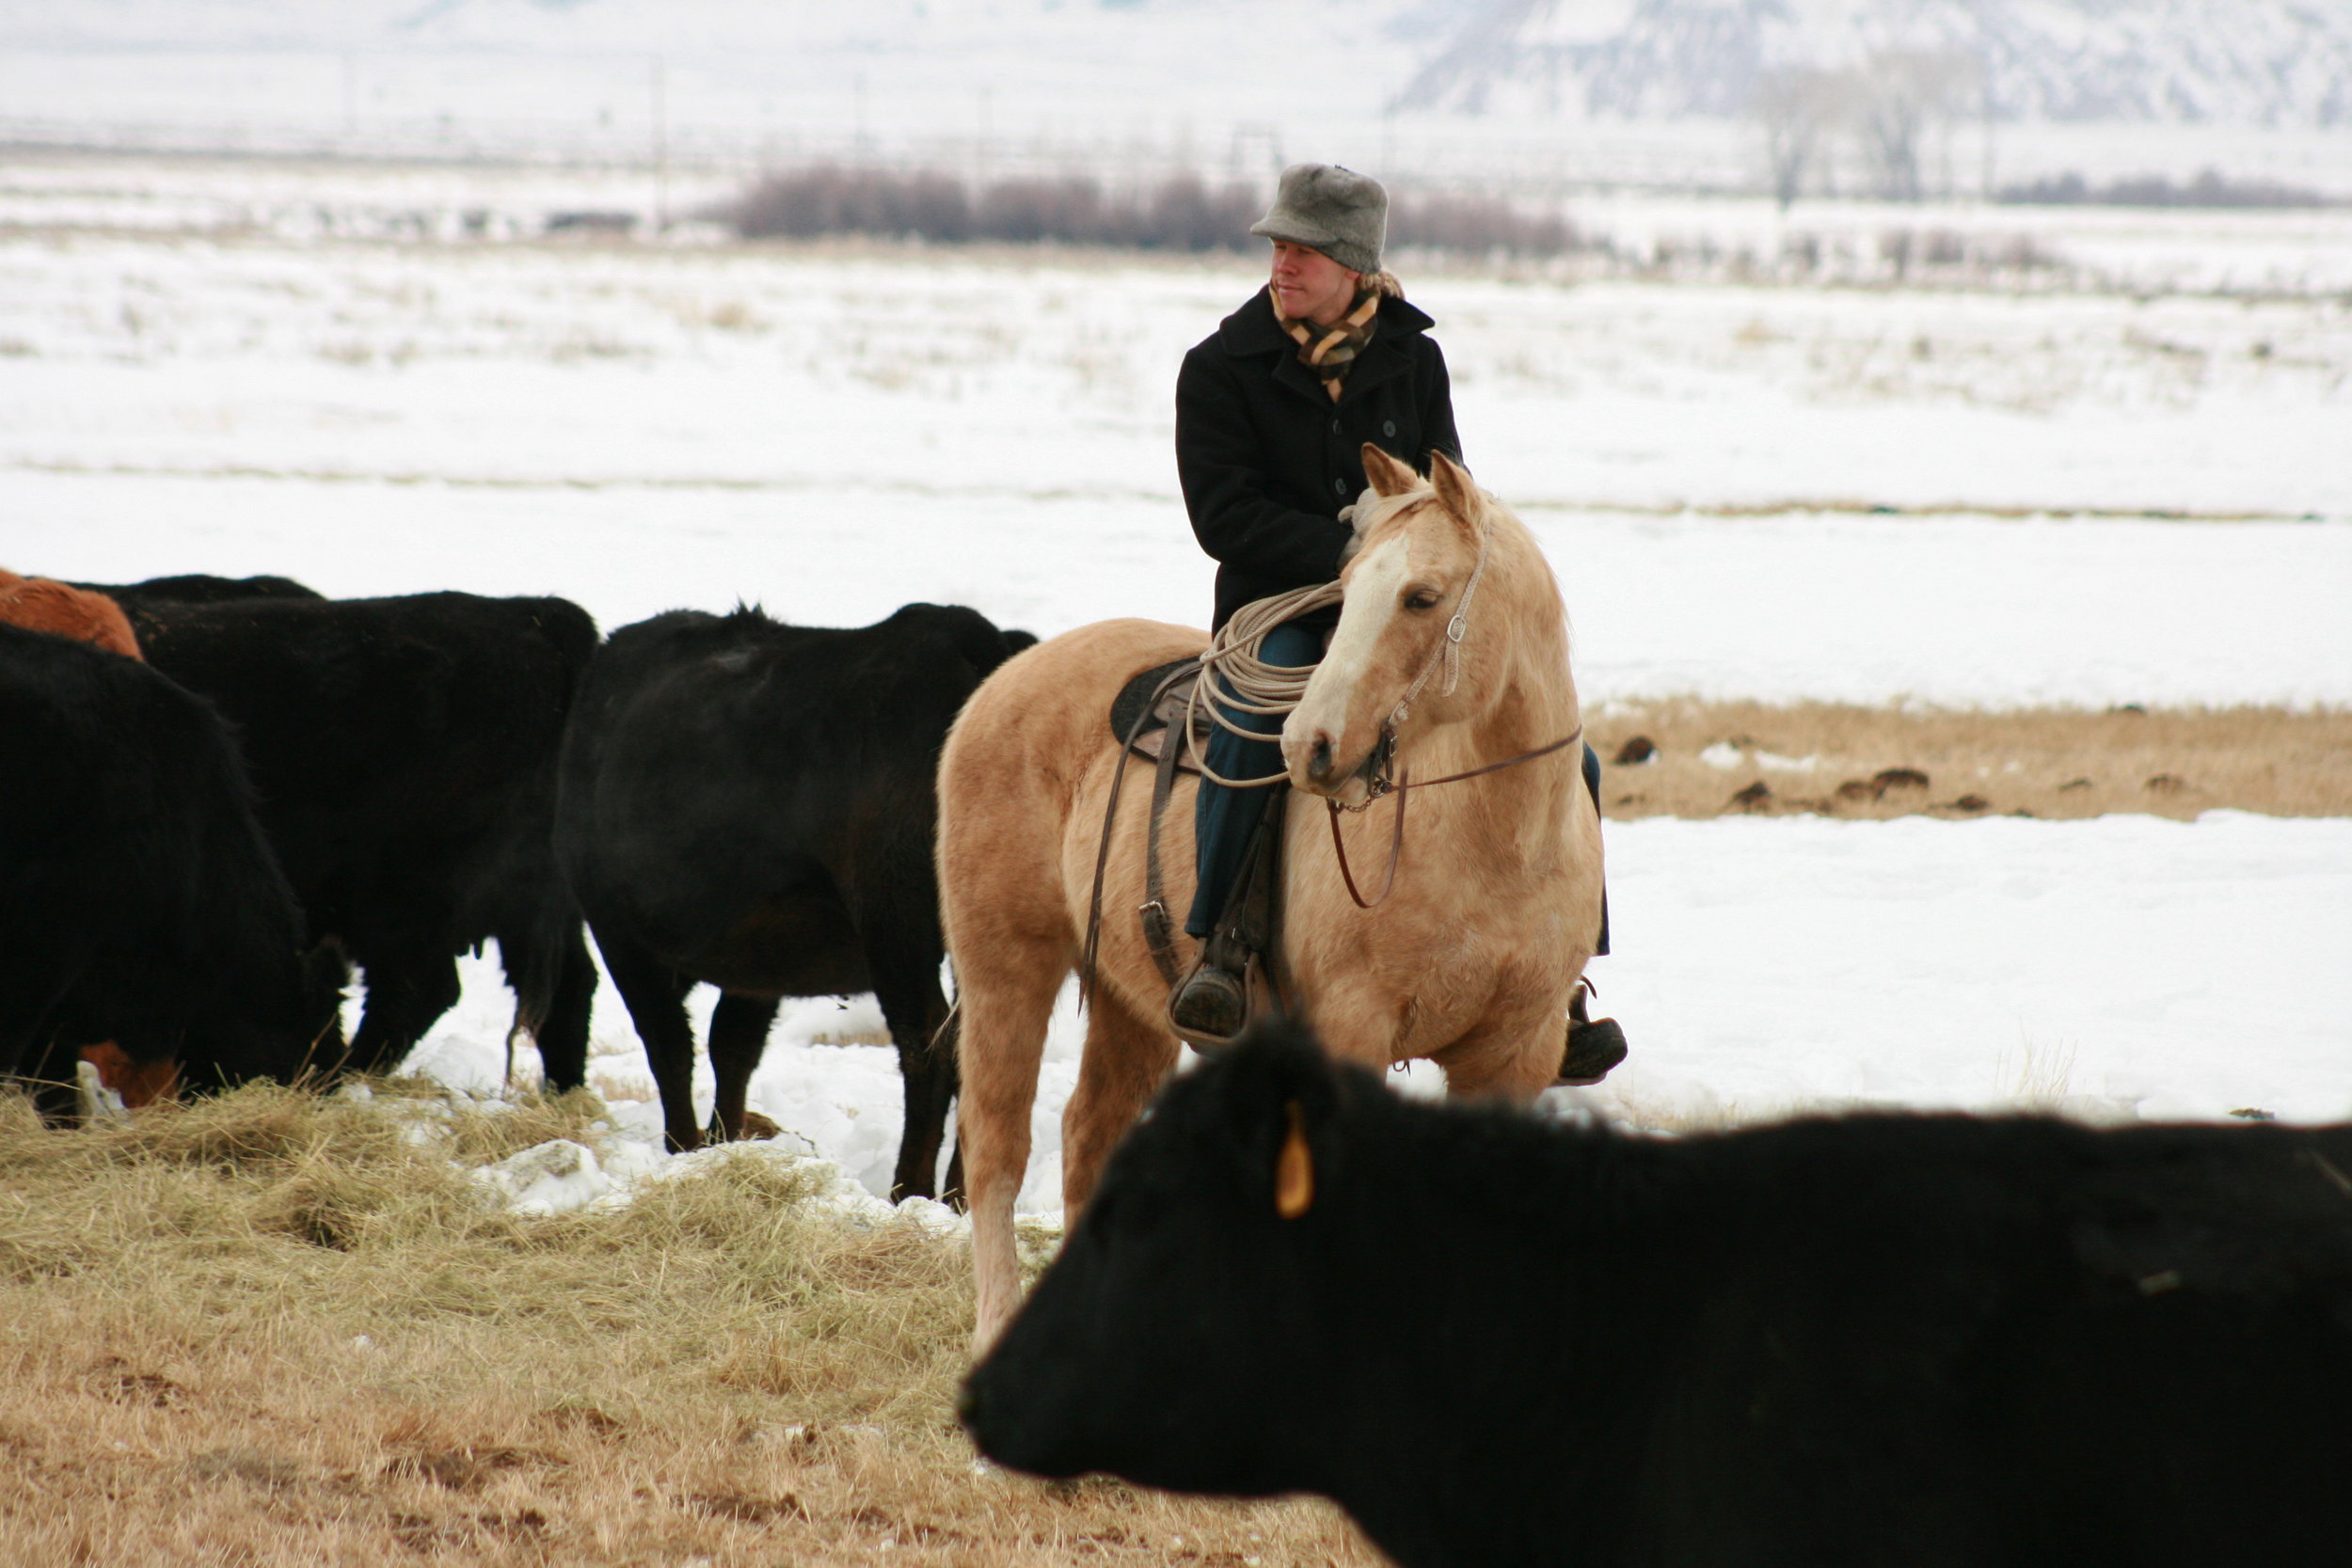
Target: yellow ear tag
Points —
{"points": [[1294, 1172]]}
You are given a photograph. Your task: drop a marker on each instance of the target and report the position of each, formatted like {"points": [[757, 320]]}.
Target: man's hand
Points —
{"points": [[1357, 516]]}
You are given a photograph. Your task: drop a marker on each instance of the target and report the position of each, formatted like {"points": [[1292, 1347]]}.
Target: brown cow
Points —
{"points": [[42, 604], [138, 1083]]}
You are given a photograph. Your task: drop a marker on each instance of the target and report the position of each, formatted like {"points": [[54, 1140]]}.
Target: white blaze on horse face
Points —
{"points": [[1321, 716]]}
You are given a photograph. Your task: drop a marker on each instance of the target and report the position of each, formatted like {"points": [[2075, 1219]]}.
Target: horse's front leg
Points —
{"points": [[1512, 1056], [1362, 1019], [1127, 1058]]}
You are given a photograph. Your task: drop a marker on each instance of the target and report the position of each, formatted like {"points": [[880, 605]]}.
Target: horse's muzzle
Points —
{"points": [[1319, 772]]}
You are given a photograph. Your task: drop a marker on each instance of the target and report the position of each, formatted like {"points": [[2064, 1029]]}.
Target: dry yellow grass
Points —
{"points": [[2044, 762], [273, 1329]]}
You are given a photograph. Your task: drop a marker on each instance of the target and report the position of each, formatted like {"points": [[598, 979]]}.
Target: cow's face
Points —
{"points": [[286, 1031], [1174, 1342]]}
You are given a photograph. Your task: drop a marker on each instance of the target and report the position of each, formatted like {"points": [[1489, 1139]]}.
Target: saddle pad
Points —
{"points": [[1133, 697]]}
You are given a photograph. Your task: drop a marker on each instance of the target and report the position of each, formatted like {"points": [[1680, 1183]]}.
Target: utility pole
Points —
{"points": [[660, 150], [979, 181], [1985, 179]]}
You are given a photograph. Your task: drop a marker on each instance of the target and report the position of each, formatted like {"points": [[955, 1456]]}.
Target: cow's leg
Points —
{"points": [[1006, 991], [1126, 1059], [906, 983], [409, 988], [563, 1035], [56, 1100], [738, 1038], [951, 1189], [655, 995]]}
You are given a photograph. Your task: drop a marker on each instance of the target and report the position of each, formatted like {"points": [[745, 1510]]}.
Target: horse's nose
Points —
{"points": [[1319, 761]]}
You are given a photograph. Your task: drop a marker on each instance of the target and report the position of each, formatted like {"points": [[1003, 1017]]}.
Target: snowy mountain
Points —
{"points": [[2259, 62], [2262, 62]]}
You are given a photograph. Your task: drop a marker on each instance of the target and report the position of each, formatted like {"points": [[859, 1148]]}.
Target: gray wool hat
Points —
{"points": [[1337, 210]]}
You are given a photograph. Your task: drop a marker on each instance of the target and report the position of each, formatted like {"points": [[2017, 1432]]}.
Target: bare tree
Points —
{"points": [[1798, 107], [1904, 91]]}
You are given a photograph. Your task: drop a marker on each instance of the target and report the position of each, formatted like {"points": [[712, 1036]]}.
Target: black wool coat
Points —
{"points": [[1267, 459]]}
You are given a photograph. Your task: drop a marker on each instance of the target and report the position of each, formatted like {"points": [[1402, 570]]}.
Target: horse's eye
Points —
{"points": [[1421, 598]]}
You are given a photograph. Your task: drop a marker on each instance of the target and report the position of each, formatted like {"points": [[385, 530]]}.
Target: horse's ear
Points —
{"points": [[1384, 474], [1457, 491]]}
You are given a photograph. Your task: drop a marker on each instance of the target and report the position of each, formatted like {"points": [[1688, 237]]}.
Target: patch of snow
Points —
{"points": [[552, 1178], [1724, 755]]}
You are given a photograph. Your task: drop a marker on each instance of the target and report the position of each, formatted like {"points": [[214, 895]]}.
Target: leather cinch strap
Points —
{"points": [[1160, 941]]}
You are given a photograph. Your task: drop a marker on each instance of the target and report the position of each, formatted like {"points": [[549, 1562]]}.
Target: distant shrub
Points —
{"points": [[1023, 212], [2211, 188], [827, 199], [1181, 213], [1946, 252], [1477, 226], [1184, 213]]}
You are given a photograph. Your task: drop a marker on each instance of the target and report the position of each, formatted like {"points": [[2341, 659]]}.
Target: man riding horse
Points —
{"points": [[1273, 411]]}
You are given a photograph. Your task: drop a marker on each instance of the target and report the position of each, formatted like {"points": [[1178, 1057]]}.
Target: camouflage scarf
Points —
{"points": [[1328, 351]]}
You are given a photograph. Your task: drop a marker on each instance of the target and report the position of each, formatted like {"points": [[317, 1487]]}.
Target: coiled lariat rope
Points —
{"points": [[1252, 686], [1249, 685]]}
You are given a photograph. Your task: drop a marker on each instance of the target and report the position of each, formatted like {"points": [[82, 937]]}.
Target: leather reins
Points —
{"points": [[1403, 787]]}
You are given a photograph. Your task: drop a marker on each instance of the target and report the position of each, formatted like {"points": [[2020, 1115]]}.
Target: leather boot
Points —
{"points": [[1595, 1045], [1209, 1005]]}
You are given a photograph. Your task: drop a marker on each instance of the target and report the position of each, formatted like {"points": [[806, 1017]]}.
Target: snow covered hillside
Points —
{"points": [[1529, 94], [2197, 61]]}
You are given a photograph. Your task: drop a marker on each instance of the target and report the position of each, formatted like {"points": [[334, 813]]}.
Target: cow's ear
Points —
{"points": [[1384, 474], [1294, 1167], [1284, 1094], [1457, 491]]}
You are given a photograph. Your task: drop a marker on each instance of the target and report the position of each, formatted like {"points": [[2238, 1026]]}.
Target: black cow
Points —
{"points": [[202, 588], [404, 751], [1896, 1339], [752, 805], [139, 902]]}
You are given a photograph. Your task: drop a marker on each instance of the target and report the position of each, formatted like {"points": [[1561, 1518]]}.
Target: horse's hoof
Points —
{"points": [[1593, 1049]]}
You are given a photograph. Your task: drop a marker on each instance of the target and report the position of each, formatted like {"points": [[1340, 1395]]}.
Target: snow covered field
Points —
{"points": [[834, 434], [1770, 493], [2117, 967]]}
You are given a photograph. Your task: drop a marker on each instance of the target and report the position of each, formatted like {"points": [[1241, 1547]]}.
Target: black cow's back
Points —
{"points": [[147, 603], [720, 764]]}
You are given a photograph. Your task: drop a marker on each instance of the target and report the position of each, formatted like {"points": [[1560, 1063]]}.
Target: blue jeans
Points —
{"points": [[1223, 819]]}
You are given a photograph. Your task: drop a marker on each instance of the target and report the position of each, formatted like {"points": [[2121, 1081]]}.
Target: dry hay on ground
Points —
{"points": [[274, 1329], [1881, 762]]}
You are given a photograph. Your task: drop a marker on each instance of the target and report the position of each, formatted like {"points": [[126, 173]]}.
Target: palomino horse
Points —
{"points": [[1453, 643]]}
